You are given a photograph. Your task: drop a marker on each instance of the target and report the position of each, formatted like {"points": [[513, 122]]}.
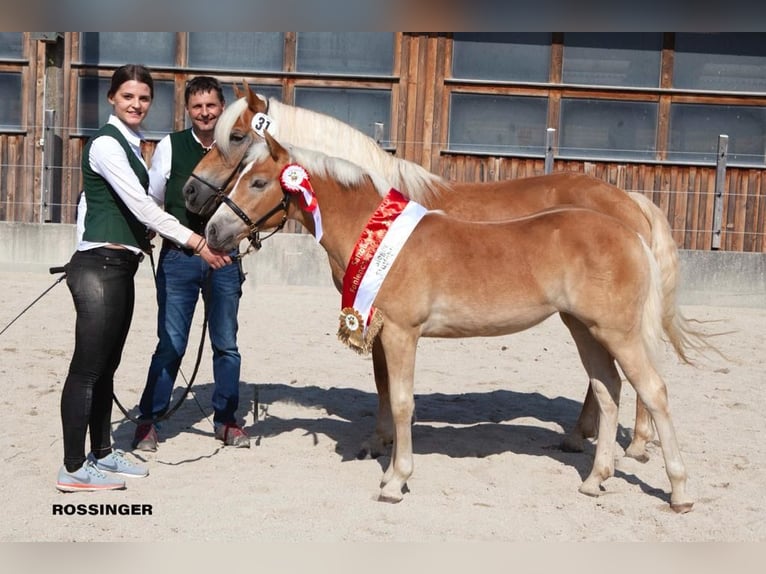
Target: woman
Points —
{"points": [[117, 225]]}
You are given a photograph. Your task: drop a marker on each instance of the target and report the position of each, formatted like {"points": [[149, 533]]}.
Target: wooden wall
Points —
{"points": [[419, 126]]}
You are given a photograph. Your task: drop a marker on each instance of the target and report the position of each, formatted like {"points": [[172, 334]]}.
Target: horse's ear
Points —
{"points": [[275, 148], [237, 92], [254, 101]]}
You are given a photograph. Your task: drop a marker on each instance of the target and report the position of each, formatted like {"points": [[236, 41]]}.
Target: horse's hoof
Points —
{"points": [[682, 508], [364, 453], [391, 499], [572, 444], [640, 457], [590, 489]]}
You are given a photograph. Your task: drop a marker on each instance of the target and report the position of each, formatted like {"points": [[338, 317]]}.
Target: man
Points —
{"points": [[182, 276]]}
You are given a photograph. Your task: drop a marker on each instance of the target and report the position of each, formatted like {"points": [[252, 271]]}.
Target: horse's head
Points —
{"points": [[256, 201], [217, 170]]}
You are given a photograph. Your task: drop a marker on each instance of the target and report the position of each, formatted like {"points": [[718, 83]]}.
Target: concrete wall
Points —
{"points": [[707, 277]]}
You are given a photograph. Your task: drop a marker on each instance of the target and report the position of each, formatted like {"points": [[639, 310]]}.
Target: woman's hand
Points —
{"points": [[216, 259]]}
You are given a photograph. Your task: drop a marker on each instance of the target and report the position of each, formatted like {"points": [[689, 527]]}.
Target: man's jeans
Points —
{"points": [[180, 279]]}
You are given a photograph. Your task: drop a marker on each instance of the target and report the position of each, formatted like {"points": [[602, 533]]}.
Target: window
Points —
{"points": [[257, 51], [607, 129], [10, 95], [497, 124], [358, 53], [694, 131], [11, 47], [112, 48], [94, 109], [360, 108], [506, 56], [727, 62], [618, 59]]}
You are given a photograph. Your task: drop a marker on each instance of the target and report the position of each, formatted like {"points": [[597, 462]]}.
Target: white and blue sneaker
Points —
{"points": [[87, 478], [116, 463]]}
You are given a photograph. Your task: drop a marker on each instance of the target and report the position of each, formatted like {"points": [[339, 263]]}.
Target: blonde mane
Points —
{"points": [[317, 163], [312, 130], [225, 124]]}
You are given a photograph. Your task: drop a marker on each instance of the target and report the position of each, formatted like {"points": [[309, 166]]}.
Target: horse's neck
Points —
{"points": [[345, 213]]}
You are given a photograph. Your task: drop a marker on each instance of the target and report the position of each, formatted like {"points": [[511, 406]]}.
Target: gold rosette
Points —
{"points": [[351, 330]]}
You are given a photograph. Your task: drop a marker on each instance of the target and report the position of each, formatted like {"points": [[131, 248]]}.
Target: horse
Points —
{"points": [[445, 277], [472, 201]]}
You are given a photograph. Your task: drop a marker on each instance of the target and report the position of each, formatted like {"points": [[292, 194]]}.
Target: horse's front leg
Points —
{"points": [[399, 346], [383, 435]]}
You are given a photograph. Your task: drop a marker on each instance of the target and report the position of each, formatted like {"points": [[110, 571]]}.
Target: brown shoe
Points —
{"points": [[232, 435], [145, 438]]}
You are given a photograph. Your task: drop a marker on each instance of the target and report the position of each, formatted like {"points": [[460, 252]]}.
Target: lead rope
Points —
{"points": [[189, 383]]}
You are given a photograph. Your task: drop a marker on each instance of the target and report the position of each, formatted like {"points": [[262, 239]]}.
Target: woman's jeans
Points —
{"points": [[102, 287], [181, 277]]}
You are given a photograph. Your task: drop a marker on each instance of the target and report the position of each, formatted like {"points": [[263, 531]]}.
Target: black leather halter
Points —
{"points": [[255, 228], [218, 192]]}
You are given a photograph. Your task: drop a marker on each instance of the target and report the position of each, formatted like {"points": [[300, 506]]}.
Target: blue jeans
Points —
{"points": [[180, 279]]}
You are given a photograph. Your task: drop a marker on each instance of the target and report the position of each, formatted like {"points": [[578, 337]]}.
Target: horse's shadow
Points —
{"points": [[473, 424]]}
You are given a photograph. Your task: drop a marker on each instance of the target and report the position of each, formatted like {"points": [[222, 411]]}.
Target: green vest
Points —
{"points": [[187, 152], [107, 218]]}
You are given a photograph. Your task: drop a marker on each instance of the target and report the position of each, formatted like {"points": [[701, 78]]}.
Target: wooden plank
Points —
{"points": [[428, 97]]}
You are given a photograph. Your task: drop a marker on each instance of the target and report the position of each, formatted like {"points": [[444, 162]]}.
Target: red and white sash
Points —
{"points": [[386, 232]]}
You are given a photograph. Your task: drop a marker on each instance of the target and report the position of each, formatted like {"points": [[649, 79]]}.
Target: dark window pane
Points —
{"points": [[502, 56], [94, 109], [607, 129], [694, 131], [612, 59], [247, 51], [11, 45], [10, 95], [361, 109], [353, 53], [498, 124], [118, 48], [726, 62]]}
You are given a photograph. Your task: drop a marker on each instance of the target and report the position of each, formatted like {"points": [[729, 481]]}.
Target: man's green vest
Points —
{"points": [[187, 152], [107, 218]]}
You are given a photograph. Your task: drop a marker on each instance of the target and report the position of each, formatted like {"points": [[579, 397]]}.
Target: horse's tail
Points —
{"points": [[653, 310], [677, 328]]}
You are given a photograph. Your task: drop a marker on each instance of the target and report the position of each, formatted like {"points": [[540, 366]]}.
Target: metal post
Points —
{"points": [[46, 177], [379, 127], [550, 140], [720, 184]]}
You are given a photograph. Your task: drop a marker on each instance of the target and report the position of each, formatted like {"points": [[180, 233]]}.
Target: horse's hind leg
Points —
{"points": [[643, 432], [605, 384], [587, 423], [651, 389]]}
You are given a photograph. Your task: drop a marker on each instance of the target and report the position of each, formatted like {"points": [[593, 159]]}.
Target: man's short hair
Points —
{"points": [[202, 84]]}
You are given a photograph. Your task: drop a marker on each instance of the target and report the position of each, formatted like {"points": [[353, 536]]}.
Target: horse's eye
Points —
{"points": [[236, 138], [260, 183]]}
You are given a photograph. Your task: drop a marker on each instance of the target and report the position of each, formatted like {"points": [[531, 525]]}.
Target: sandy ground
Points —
{"points": [[490, 416]]}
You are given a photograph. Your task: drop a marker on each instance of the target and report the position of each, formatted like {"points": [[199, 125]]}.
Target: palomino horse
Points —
{"points": [[455, 278], [479, 202]]}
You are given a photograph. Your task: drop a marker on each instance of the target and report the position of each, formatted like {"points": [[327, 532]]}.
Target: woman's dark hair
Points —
{"points": [[129, 72], [202, 84]]}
